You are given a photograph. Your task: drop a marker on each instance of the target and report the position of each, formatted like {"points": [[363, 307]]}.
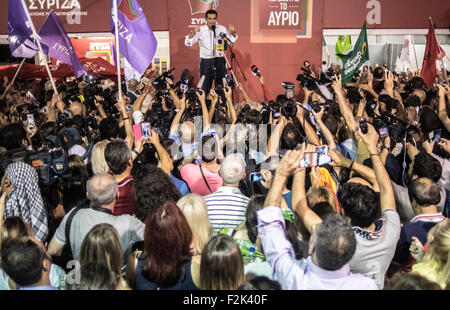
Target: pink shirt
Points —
{"points": [[193, 177]]}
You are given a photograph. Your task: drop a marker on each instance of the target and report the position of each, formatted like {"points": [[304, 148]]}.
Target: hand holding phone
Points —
{"points": [[256, 177]]}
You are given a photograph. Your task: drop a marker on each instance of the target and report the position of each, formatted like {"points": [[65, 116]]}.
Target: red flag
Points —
{"points": [[432, 53]]}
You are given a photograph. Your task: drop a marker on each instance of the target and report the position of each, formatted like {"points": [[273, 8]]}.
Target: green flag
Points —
{"points": [[343, 44], [356, 58]]}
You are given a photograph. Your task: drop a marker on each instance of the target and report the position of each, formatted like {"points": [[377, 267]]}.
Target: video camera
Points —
{"points": [[50, 164], [160, 82]]}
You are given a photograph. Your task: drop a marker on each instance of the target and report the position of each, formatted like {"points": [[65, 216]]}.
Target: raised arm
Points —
{"points": [[165, 161], [51, 117], [386, 191], [205, 114], [442, 108], [340, 160], [288, 165], [99, 106], [346, 111], [177, 118], [137, 106], [309, 218], [274, 140], [127, 122], [230, 107], [244, 93], [311, 134], [325, 131], [214, 99]]}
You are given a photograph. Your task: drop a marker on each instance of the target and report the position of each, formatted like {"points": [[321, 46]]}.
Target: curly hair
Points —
{"points": [[152, 187]]}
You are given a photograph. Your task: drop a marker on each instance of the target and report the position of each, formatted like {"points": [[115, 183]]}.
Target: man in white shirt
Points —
{"points": [[212, 52]]}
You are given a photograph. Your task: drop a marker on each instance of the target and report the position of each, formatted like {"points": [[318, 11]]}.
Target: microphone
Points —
{"points": [[213, 27], [200, 83], [184, 76], [226, 38]]}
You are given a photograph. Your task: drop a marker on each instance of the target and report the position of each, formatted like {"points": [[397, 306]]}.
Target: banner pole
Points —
{"points": [[116, 34], [36, 37], [18, 70]]}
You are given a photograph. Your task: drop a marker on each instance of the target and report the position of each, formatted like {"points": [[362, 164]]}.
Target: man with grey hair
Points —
{"points": [[102, 193], [227, 206]]}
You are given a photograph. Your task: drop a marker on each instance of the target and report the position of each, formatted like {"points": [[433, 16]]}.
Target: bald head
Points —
{"points": [[132, 84], [76, 108], [101, 190]]}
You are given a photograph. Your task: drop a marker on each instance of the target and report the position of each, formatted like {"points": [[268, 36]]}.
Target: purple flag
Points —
{"points": [[137, 43], [19, 30], [55, 43]]}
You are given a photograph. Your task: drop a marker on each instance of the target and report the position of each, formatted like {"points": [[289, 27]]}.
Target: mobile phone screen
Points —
{"points": [[309, 160], [384, 132], [146, 130], [437, 135], [322, 155], [30, 119], [257, 176]]}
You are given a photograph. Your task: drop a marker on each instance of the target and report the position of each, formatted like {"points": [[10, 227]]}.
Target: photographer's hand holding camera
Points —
{"points": [[214, 98]]}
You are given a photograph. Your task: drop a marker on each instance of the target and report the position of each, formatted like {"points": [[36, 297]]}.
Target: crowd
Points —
{"points": [[216, 194]]}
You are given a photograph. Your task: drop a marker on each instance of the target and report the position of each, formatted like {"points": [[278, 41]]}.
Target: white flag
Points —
{"points": [[407, 53]]}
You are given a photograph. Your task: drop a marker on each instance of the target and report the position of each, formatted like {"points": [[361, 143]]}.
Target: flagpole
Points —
{"points": [[18, 70], [36, 37], [116, 18]]}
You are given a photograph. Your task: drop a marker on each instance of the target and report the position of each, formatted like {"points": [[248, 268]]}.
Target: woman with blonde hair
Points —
{"points": [[435, 264], [195, 210], [102, 245], [97, 160]]}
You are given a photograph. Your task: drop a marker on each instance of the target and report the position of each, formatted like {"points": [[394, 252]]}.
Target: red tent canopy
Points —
{"points": [[93, 66]]}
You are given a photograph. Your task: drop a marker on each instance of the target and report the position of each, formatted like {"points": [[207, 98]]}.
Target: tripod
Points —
{"points": [[233, 59]]}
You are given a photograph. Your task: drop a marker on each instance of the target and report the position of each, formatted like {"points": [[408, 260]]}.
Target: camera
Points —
{"points": [[289, 89], [50, 164], [317, 106], [160, 82], [307, 81]]}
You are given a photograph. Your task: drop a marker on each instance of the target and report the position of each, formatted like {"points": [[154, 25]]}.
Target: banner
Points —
{"points": [[56, 44], [137, 43], [356, 58], [432, 53], [343, 44], [20, 31]]}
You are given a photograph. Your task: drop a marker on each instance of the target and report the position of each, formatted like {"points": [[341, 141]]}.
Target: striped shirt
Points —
{"points": [[226, 207]]}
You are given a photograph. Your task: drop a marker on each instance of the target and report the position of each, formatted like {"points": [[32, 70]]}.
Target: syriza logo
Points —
{"points": [[201, 6], [128, 9]]}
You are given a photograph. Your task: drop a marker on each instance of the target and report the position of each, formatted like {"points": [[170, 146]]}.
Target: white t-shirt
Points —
{"points": [[375, 250]]}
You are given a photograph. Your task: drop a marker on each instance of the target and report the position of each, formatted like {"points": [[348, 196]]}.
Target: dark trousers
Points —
{"points": [[212, 69]]}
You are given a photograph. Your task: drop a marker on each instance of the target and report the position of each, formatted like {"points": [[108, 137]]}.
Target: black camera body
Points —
{"points": [[160, 82]]}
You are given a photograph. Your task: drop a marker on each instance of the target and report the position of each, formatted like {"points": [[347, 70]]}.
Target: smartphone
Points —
{"points": [[437, 135], [31, 122], [384, 132], [146, 130], [277, 115], [322, 155], [309, 159], [256, 176]]}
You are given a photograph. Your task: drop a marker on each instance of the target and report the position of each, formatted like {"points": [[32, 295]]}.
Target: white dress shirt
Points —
{"points": [[207, 42]]}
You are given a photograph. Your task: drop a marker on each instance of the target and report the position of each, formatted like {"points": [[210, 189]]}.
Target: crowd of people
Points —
{"points": [[341, 187]]}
